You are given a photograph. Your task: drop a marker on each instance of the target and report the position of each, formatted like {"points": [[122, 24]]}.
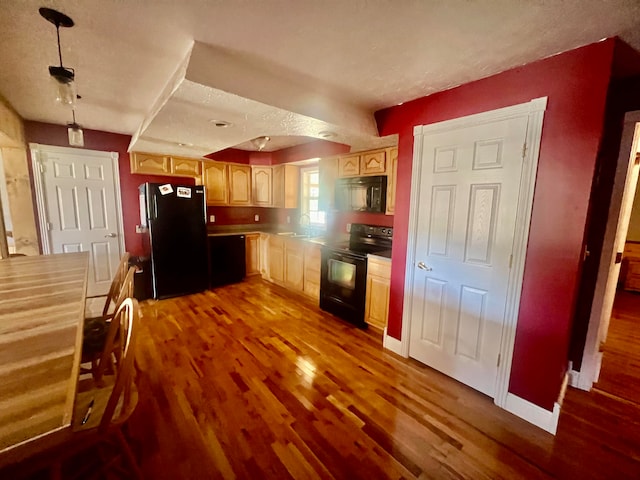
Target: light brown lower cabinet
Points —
{"points": [[252, 253], [275, 262], [312, 270], [378, 287], [294, 264]]}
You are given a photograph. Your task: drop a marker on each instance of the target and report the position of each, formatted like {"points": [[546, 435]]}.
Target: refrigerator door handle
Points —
{"points": [[153, 214]]}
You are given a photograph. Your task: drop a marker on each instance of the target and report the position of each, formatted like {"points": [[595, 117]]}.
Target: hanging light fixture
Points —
{"points": [[76, 135], [260, 142], [62, 77]]}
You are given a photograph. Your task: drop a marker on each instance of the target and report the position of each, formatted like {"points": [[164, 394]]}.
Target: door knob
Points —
{"points": [[422, 266], [110, 235]]}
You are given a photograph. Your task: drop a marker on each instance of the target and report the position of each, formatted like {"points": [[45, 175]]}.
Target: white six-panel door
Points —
{"points": [[80, 209], [467, 206]]}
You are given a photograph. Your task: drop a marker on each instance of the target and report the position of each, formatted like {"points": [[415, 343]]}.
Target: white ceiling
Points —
{"points": [[162, 70]]}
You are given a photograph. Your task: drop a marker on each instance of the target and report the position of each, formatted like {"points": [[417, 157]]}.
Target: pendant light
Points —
{"points": [[76, 135], [62, 77]]}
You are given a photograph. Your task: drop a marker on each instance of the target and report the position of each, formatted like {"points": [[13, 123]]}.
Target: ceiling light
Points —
{"points": [[63, 78], [76, 135], [221, 123], [326, 134], [260, 142]]}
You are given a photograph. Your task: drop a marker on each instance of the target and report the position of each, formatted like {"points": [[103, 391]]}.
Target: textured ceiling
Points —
{"points": [[162, 70]]}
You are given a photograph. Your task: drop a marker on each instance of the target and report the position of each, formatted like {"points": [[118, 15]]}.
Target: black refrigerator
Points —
{"points": [[174, 229]]}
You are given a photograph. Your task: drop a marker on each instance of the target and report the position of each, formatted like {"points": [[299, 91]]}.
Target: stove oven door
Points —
{"points": [[343, 285]]}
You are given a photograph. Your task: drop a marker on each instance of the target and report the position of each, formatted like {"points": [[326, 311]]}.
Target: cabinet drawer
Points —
{"points": [[349, 166], [150, 163], [186, 167], [373, 163]]}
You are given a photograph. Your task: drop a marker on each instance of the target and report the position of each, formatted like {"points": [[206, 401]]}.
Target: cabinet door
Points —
{"points": [[328, 171], [373, 163], [276, 258], [377, 309], [261, 183], [294, 264], [349, 165], [286, 179], [312, 270], [278, 186], [392, 161], [214, 178], [149, 163], [252, 251], [186, 167], [378, 288], [291, 186], [239, 184]]}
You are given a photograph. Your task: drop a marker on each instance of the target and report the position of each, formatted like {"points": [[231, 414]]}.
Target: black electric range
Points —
{"points": [[344, 270]]}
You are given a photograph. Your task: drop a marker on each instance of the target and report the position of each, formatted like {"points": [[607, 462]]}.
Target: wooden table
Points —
{"points": [[41, 313]]}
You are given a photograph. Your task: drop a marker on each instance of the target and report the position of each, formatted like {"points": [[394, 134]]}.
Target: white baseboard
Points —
{"points": [[534, 414], [392, 344]]}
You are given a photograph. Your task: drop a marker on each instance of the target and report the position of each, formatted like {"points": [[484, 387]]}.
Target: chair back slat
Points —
{"points": [[127, 316], [116, 283]]}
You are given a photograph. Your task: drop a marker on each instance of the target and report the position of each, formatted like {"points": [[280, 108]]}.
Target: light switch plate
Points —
{"points": [[212, 218], [256, 217], [348, 228]]}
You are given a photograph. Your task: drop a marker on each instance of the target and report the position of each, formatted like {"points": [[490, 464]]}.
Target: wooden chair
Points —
{"points": [[116, 284], [96, 329], [102, 408]]}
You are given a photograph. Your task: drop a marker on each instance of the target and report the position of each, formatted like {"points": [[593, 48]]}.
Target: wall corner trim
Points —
{"points": [[393, 344], [538, 416]]}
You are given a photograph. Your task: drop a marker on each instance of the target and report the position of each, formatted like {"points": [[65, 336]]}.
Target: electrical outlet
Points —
{"points": [[348, 228], [256, 217], [288, 219], [212, 218]]}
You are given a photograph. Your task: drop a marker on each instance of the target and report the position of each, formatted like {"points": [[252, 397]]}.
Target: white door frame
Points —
{"points": [[624, 189], [39, 190], [534, 110]]}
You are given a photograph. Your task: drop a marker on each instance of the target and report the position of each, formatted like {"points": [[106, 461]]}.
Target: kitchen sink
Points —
{"points": [[294, 234]]}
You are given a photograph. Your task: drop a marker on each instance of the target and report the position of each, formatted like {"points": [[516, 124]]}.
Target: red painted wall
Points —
{"points": [[576, 84], [49, 134]]}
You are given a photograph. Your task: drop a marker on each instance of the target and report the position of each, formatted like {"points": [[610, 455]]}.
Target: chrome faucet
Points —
{"points": [[307, 229]]}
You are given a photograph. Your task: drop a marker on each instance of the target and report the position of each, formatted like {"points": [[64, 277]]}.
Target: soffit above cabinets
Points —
{"points": [[160, 71]]}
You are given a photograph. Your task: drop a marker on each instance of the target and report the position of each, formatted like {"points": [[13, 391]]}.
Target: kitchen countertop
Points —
{"points": [[272, 230], [383, 255]]}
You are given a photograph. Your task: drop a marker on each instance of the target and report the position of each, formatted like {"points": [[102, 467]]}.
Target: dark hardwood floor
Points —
{"points": [[620, 372], [250, 381]]}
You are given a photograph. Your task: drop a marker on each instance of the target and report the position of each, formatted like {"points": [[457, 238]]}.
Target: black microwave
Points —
{"points": [[362, 194]]}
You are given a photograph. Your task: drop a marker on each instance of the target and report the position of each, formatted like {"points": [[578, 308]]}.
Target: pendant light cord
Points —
{"points": [[59, 49]]}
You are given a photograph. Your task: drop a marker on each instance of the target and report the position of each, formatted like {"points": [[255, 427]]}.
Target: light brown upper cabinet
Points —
{"points": [[214, 178], [328, 171], [261, 182], [186, 167], [392, 173], [349, 165], [239, 184], [373, 163], [150, 163], [286, 180]]}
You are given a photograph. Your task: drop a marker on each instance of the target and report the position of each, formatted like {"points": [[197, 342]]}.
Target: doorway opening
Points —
{"points": [[611, 258]]}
